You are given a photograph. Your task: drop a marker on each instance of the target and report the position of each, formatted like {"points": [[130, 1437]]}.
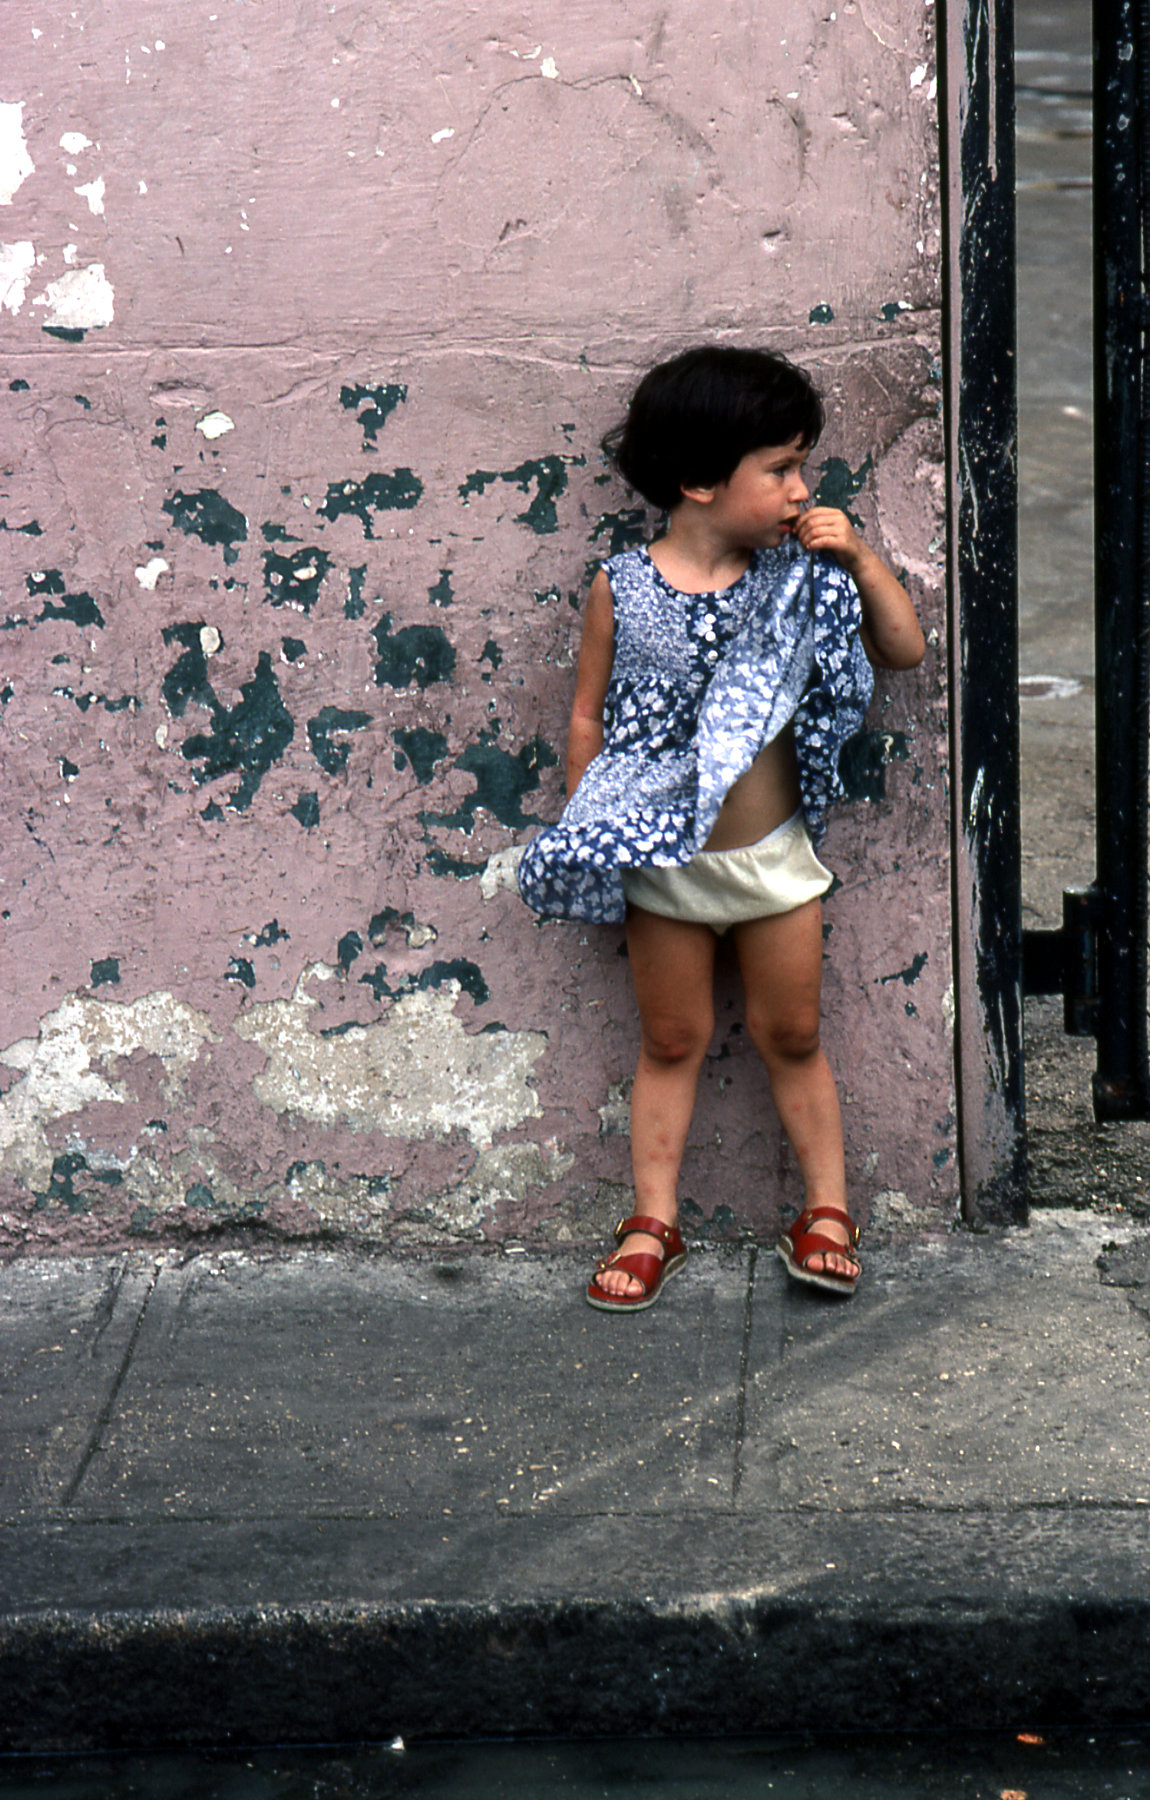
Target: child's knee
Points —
{"points": [[791, 1038], [673, 1041]]}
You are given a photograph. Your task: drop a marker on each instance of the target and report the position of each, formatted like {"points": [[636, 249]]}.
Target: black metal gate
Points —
{"points": [[1098, 960]]}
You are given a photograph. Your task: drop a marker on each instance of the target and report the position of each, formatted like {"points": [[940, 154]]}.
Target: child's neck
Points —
{"points": [[693, 557]]}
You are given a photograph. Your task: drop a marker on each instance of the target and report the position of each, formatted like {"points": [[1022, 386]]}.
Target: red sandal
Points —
{"points": [[801, 1242], [644, 1265]]}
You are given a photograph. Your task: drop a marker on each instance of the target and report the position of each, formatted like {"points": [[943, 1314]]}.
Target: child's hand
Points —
{"points": [[827, 529]]}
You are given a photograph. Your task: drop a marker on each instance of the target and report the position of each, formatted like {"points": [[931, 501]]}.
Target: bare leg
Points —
{"points": [[781, 963], [672, 968]]}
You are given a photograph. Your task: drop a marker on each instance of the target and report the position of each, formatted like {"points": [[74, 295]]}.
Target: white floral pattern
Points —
{"points": [[700, 683]]}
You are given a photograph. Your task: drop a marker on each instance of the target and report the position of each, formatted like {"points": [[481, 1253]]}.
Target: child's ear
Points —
{"points": [[702, 496]]}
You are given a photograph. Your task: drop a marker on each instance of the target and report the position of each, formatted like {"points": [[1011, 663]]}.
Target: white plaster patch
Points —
{"points": [[415, 1074], [503, 1174], [16, 264], [93, 192], [502, 871], [441, 137], [73, 142], [81, 300], [68, 1066], [215, 425], [15, 163], [548, 68], [209, 640], [918, 75], [892, 1210], [149, 573]]}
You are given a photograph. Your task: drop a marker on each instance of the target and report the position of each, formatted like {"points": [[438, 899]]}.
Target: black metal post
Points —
{"points": [[978, 71], [1122, 589]]}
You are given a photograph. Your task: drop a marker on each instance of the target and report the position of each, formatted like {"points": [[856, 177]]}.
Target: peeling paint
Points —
{"points": [[416, 1074], [17, 262], [80, 300], [546, 474], [215, 425], [419, 653], [71, 1065], [206, 515], [15, 163], [397, 492]]}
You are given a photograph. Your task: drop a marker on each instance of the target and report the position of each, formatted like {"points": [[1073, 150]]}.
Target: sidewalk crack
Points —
{"points": [[103, 1417], [744, 1364]]}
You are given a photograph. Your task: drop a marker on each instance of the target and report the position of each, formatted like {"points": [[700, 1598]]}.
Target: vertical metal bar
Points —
{"points": [[1122, 1079], [978, 79]]}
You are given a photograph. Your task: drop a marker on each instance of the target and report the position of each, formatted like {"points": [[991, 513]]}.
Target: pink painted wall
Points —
{"points": [[312, 318]]}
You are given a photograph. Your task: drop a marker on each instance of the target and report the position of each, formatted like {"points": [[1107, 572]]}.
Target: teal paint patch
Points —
{"points": [[623, 530], [293, 648], [864, 760], [240, 969], [276, 534], [209, 517], [32, 529], [330, 756], [76, 609], [61, 1189], [7, 692], [19, 386], [546, 474], [502, 780], [372, 405], [441, 594], [440, 863], [272, 933], [397, 492], [491, 653], [125, 702], [67, 334], [349, 947], [295, 580], [306, 810], [187, 679], [422, 749], [105, 972], [246, 738], [200, 1195], [821, 315], [891, 310], [460, 969], [419, 653], [907, 976], [838, 484], [353, 605], [83, 400]]}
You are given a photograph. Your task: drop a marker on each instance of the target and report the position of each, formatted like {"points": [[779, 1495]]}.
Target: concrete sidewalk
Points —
{"points": [[318, 1497]]}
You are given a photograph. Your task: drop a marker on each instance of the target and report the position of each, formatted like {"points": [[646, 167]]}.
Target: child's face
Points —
{"points": [[760, 503]]}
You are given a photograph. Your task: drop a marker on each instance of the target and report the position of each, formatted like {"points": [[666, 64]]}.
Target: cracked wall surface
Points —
{"points": [[312, 319]]}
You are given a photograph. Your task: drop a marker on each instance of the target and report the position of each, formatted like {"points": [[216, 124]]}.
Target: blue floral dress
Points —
{"points": [[699, 685]]}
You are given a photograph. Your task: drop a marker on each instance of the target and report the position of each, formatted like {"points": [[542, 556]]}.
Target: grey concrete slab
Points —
{"points": [[275, 1388], [968, 1374], [67, 1330]]}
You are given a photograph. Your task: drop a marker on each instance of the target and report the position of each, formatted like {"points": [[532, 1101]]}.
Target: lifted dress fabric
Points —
{"points": [[699, 685]]}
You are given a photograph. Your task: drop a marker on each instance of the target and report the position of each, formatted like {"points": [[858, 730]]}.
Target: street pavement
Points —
{"points": [[253, 1497], [316, 1497]]}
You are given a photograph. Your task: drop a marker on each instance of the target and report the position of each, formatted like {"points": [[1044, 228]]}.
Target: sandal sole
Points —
{"points": [[843, 1286]]}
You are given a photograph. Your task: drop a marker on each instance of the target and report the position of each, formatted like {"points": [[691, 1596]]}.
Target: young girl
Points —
{"points": [[721, 671]]}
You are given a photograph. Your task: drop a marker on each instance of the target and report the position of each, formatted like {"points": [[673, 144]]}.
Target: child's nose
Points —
{"points": [[799, 487]]}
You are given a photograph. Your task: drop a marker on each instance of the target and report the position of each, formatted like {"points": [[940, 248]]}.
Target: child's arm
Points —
{"points": [[891, 634], [596, 658]]}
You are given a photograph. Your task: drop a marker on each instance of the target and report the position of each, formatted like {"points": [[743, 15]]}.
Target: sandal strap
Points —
{"points": [[809, 1214], [656, 1228]]}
